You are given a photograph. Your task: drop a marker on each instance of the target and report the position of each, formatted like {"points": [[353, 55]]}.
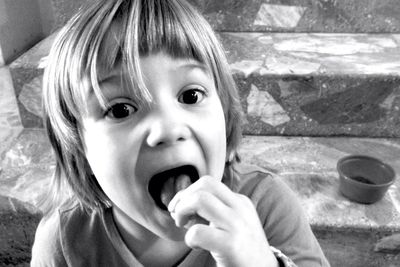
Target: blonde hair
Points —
{"points": [[93, 41]]}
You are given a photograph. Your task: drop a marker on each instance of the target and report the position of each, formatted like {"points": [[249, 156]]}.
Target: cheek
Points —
{"points": [[216, 134], [107, 155], [110, 165], [98, 150], [222, 139], [220, 133]]}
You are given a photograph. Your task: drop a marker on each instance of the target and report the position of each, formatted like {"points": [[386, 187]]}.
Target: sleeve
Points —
{"points": [[285, 223], [283, 260], [47, 249]]}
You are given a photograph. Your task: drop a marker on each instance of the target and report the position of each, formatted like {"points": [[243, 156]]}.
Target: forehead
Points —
{"points": [[175, 63], [156, 62]]}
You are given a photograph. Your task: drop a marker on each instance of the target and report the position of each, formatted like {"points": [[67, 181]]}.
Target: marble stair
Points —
{"points": [[317, 83]]}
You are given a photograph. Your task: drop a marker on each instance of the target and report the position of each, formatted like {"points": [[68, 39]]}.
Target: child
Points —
{"points": [[144, 119]]}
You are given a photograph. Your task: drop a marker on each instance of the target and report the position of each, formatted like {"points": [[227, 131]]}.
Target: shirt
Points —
{"points": [[75, 237]]}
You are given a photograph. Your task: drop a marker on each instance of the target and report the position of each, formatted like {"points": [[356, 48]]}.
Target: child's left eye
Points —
{"points": [[192, 96]]}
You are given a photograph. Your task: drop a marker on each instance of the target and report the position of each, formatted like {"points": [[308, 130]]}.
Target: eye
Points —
{"points": [[192, 96], [120, 111]]}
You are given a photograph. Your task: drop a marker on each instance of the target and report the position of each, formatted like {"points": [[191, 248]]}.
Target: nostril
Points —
{"points": [[163, 134], [159, 144], [164, 142]]}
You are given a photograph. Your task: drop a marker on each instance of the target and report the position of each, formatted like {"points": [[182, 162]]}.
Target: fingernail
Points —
{"points": [[172, 203]]}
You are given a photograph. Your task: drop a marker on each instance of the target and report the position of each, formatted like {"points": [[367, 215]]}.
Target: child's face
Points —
{"points": [[129, 144]]}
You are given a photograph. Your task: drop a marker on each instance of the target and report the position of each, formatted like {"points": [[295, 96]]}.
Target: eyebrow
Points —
{"points": [[110, 75], [191, 64], [91, 93]]}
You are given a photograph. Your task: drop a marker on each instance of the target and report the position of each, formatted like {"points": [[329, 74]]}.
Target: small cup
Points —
{"points": [[364, 179]]}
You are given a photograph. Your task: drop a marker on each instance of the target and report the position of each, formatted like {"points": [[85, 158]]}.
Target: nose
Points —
{"points": [[167, 127]]}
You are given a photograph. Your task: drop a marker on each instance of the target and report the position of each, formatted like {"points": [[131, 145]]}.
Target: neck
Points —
{"points": [[148, 248]]}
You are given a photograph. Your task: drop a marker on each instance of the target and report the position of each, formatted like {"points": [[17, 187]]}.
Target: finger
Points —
{"points": [[206, 237], [211, 185], [208, 207], [194, 219]]}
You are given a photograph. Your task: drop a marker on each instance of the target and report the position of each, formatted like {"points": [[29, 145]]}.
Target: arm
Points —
{"points": [[283, 219]]}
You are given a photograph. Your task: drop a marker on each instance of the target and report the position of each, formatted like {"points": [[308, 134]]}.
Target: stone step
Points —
{"points": [[292, 84], [308, 165], [282, 15], [317, 84], [329, 16], [351, 234]]}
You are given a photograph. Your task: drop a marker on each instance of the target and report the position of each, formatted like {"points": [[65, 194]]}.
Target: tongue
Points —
{"points": [[172, 186]]}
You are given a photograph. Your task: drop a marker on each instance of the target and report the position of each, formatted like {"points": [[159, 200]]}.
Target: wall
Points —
{"points": [[20, 27], [47, 16]]}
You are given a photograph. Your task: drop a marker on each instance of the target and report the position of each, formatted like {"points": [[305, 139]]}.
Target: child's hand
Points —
{"points": [[234, 235]]}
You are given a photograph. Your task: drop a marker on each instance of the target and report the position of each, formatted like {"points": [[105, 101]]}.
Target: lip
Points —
{"points": [[174, 165], [157, 181], [161, 159]]}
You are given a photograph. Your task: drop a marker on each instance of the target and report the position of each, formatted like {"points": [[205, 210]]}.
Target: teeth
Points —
{"points": [[172, 186]]}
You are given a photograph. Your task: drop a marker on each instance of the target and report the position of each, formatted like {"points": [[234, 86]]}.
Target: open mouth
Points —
{"points": [[164, 186]]}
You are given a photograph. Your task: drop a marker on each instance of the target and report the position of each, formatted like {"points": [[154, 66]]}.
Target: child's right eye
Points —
{"points": [[120, 111]]}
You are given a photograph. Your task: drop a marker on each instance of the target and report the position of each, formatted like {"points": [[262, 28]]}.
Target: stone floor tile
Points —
{"points": [[308, 166], [26, 184], [7, 138], [31, 96], [29, 149], [28, 88]]}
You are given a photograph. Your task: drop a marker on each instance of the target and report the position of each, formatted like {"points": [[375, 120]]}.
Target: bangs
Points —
{"points": [[169, 27], [133, 30]]}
